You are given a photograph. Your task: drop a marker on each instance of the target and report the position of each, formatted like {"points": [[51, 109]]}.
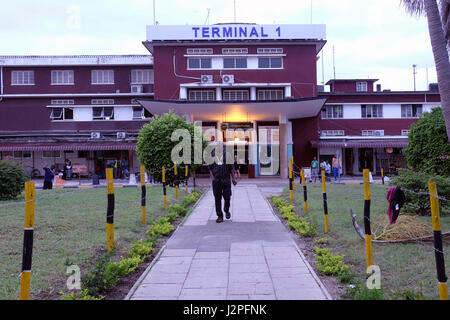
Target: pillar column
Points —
{"points": [[283, 146], [219, 93]]}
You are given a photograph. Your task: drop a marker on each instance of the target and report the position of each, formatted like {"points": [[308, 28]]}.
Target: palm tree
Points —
{"points": [[439, 29]]}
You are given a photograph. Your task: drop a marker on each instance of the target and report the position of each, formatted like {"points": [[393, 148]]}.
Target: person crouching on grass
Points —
{"points": [[222, 175]]}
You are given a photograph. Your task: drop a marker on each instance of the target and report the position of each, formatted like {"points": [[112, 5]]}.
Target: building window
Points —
{"points": [[234, 50], [234, 63], [102, 76], [62, 101], [62, 77], [361, 86], [61, 114], [411, 110], [333, 112], [327, 133], [22, 77], [202, 95], [270, 63], [372, 111], [102, 101], [199, 63], [373, 132], [405, 132], [22, 155], [269, 50], [142, 76], [199, 51], [234, 95], [51, 154], [103, 113], [140, 113], [270, 94]]}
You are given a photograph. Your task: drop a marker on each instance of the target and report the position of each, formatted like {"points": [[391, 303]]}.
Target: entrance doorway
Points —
{"points": [[365, 159]]}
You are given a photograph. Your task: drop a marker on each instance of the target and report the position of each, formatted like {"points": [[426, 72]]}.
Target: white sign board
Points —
{"points": [[236, 32]]}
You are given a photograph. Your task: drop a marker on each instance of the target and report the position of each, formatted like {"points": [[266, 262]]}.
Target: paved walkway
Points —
{"points": [[250, 256]]}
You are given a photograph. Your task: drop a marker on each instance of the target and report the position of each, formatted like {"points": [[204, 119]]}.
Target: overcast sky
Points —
{"points": [[371, 38]]}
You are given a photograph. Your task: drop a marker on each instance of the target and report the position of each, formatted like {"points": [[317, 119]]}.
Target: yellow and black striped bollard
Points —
{"points": [[143, 195], [186, 176], [175, 171], [325, 202], [305, 193], [110, 210], [438, 250], [25, 277], [367, 230], [382, 176], [293, 174], [164, 187], [291, 192]]}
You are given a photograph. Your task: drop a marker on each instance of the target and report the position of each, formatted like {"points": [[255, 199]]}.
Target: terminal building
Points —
{"points": [[255, 84]]}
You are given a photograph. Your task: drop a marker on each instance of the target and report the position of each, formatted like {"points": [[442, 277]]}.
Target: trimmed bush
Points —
{"points": [[161, 227], [12, 180], [418, 182], [330, 264]]}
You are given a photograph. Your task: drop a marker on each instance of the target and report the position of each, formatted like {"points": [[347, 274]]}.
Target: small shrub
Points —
{"points": [[278, 202], [410, 294], [302, 226], [190, 198], [322, 240], [361, 292], [140, 249], [80, 295], [116, 270], [95, 280], [330, 264], [161, 227], [346, 277], [12, 180]]}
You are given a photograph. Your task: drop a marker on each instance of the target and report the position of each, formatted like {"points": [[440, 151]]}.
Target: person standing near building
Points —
{"points": [[48, 177], [237, 167], [336, 168], [314, 169], [68, 169], [328, 169], [222, 175], [116, 167]]}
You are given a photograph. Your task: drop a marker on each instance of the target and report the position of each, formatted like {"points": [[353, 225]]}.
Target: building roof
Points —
{"points": [[349, 80], [84, 60]]}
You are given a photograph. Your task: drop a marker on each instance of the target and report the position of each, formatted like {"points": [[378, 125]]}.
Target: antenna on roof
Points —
{"points": [[311, 11], [414, 75], [334, 65], [207, 16], [154, 14], [234, 1]]}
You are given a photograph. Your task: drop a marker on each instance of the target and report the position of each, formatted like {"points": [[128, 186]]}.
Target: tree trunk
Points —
{"points": [[441, 59]]}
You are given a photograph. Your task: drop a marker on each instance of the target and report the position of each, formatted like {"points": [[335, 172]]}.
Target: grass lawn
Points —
{"points": [[403, 266], [70, 228]]}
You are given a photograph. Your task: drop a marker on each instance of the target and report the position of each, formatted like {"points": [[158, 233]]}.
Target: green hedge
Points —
{"points": [[12, 180]]}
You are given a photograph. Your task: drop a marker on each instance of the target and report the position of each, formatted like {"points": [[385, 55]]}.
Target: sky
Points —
{"points": [[371, 38]]}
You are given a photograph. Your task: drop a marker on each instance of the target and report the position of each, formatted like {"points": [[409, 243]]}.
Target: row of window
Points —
{"points": [[29, 154], [235, 95], [372, 111], [66, 77], [334, 133], [236, 63], [98, 113], [234, 50]]}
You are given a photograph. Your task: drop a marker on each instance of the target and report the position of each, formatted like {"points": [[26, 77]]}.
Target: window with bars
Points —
{"points": [[361, 86], [103, 113], [235, 95], [333, 112], [276, 94], [234, 63], [22, 77], [61, 114], [411, 110], [102, 76], [373, 132], [62, 77], [144, 76], [234, 50], [270, 63], [62, 101], [202, 95], [405, 132], [372, 111], [51, 154], [326, 133], [199, 63], [269, 50], [102, 101], [199, 51]]}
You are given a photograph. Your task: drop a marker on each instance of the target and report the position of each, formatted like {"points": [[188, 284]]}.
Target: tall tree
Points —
{"points": [[439, 30]]}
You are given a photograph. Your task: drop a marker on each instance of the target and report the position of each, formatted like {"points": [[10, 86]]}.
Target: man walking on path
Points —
{"points": [[220, 173], [315, 169], [336, 168]]}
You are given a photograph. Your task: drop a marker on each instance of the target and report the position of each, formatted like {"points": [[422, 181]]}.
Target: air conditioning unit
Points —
{"points": [[121, 135], [95, 135], [228, 78], [136, 88], [206, 78]]}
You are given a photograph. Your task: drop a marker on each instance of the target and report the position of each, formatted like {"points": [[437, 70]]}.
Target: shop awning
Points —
{"points": [[238, 111], [378, 143], [62, 146]]}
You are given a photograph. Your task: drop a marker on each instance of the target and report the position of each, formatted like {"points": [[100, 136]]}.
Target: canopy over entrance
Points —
{"points": [[238, 111]]}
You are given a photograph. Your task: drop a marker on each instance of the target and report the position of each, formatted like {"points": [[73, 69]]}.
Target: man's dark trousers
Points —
{"points": [[222, 188]]}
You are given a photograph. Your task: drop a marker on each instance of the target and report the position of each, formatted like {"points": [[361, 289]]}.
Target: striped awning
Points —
{"points": [[62, 146], [378, 143]]}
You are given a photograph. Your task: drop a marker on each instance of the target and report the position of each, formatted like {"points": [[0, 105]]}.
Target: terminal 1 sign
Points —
{"points": [[236, 32]]}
